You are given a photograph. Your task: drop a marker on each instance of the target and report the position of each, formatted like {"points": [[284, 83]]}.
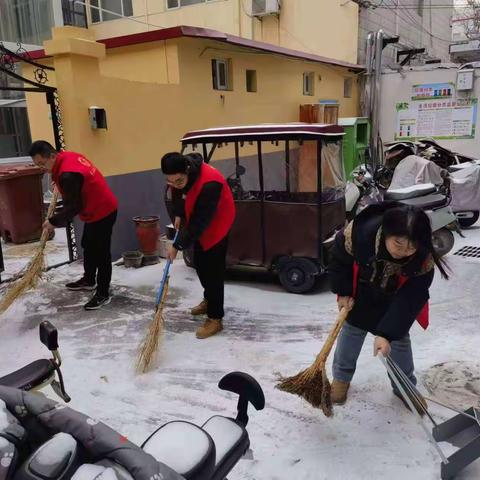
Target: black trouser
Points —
{"points": [[97, 259], [210, 266]]}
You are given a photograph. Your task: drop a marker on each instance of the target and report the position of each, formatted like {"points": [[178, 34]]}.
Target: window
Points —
{"points": [[27, 21], [308, 83], [251, 79], [221, 74], [183, 3], [347, 87], [119, 8], [420, 7]]}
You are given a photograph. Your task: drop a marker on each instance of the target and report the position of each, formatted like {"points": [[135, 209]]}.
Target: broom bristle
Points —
{"points": [[149, 349], [312, 385], [28, 280], [33, 271]]}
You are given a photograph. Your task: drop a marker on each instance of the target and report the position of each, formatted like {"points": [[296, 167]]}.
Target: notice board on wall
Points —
{"points": [[434, 111]]}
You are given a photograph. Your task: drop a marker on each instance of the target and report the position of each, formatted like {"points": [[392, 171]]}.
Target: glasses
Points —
{"points": [[178, 182]]}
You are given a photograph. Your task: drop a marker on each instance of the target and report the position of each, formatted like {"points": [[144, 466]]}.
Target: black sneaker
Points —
{"points": [[81, 284], [97, 302]]}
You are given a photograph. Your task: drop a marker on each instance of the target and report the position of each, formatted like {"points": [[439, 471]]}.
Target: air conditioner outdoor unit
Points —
{"points": [[261, 8]]}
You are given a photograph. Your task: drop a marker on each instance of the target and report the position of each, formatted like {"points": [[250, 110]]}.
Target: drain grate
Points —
{"points": [[468, 251]]}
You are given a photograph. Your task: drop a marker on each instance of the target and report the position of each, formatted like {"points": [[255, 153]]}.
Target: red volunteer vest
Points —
{"points": [[98, 201], [225, 214], [422, 317]]}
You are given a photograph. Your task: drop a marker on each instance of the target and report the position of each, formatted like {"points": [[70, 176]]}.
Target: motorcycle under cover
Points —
{"points": [[464, 185], [28, 420], [413, 170]]}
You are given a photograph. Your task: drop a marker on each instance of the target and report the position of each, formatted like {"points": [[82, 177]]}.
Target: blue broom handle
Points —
{"points": [[166, 271]]}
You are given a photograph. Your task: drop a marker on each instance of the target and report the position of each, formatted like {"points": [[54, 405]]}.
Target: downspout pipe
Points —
{"points": [[376, 154]]}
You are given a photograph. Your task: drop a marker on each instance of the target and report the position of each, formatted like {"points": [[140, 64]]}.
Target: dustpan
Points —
{"points": [[462, 430]]}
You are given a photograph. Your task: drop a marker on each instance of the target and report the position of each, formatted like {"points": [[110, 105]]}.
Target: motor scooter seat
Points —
{"points": [[30, 376], [185, 448], [413, 191], [231, 442], [427, 202], [206, 453], [56, 459]]}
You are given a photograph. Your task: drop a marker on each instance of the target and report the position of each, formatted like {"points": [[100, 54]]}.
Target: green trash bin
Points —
{"points": [[355, 141]]}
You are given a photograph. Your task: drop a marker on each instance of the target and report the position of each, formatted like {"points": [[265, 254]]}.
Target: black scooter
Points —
{"points": [[43, 372]]}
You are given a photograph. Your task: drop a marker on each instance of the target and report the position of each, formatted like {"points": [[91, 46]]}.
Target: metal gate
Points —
{"points": [[8, 60]]}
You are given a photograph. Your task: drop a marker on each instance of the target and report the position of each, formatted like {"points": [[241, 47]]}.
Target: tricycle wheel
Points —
{"points": [[467, 219], [297, 275]]}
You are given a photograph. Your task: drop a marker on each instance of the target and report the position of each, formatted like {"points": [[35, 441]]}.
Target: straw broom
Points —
{"points": [[33, 271], [149, 348], [312, 383]]}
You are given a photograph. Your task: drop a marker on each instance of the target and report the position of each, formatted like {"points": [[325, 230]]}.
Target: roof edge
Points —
{"points": [[207, 33]]}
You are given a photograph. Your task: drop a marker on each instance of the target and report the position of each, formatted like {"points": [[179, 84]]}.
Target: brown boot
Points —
{"points": [[200, 309], [339, 392], [209, 328]]}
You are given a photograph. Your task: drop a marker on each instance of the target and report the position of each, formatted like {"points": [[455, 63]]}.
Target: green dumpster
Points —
{"points": [[355, 141]]}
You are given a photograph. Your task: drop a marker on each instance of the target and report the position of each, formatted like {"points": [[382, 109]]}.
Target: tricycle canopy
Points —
{"points": [[288, 183]]}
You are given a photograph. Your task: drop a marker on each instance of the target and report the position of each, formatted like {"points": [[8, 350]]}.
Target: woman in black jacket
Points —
{"points": [[382, 266]]}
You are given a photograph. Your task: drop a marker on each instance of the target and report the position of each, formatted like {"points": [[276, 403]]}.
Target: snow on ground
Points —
{"points": [[267, 331], [16, 257]]}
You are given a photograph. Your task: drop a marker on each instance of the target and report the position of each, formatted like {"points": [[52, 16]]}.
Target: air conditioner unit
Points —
{"points": [[261, 8]]}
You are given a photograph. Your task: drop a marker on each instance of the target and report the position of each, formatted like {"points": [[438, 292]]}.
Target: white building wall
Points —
{"points": [[397, 87]]}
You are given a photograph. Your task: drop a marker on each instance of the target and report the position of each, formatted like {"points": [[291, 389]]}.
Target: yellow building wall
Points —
{"points": [[279, 88], [148, 118], [323, 27]]}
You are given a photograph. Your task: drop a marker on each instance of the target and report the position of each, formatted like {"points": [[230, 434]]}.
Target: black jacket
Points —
{"points": [[71, 184], [380, 306], [203, 210]]}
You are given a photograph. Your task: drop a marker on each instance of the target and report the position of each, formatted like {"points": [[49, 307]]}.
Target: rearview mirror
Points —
{"points": [[240, 170]]}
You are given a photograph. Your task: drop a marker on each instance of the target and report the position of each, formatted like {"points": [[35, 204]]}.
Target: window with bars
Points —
{"points": [[347, 87], [105, 10], [309, 83], [221, 75], [251, 80], [171, 4]]}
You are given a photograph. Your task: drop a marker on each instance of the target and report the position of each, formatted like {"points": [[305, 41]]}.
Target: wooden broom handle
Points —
{"points": [[51, 209], [332, 336]]}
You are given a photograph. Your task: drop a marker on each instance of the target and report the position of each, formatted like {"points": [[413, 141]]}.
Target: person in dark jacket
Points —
{"points": [[382, 266], [202, 198], [84, 193]]}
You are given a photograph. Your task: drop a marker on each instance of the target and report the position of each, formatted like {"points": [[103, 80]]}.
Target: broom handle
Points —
{"points": [[51, 209], [166, 271], [332, 336]]}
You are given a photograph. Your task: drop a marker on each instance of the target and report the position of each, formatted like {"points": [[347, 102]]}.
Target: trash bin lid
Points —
{"points": [[15, 170], [350, 121]]}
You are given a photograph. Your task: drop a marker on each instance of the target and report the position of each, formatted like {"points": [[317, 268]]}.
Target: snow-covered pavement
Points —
{"points": [[267, 331]]}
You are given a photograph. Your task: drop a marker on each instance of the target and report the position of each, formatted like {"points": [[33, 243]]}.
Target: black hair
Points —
{"points": [[414, 224], [42, 148], [174, 162]]}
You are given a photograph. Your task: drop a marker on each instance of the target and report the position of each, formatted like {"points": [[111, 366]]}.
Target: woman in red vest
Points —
{"points": [[84, 193], [202, 197], [382, 265]]}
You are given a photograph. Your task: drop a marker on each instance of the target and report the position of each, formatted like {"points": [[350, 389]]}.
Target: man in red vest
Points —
{"points": [[202, 197], [85, 193]]}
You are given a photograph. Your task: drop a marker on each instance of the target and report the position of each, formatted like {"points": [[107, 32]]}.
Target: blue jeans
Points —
{"points": [[349, 346]]}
